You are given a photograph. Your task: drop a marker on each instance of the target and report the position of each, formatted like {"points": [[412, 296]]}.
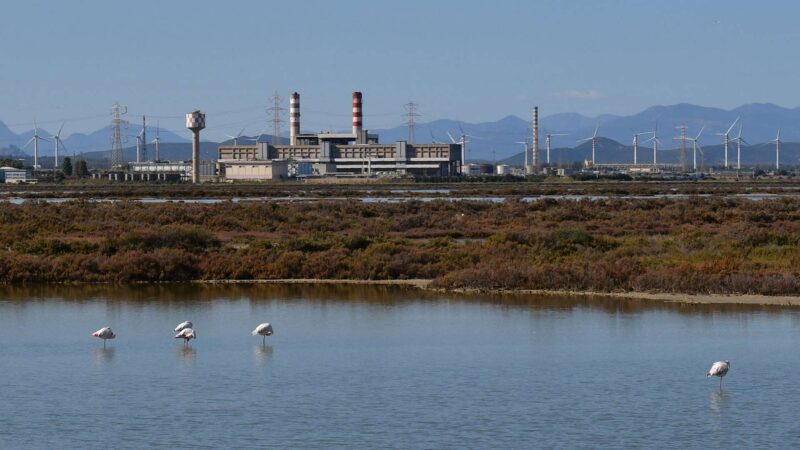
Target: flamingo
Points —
{"points": [[183, 325], [264, 329], [719, 369], [105, 334], [186, 334]]}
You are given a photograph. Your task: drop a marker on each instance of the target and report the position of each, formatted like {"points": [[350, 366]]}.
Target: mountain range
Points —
{"points": [[502, 139]]}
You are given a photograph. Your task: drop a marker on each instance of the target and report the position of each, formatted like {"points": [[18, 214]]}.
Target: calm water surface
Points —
{"points": [[379, 367]]}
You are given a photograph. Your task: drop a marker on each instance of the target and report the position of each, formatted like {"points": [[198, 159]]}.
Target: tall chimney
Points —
{"points": [[536, 137], [357, 114], [294, 118]]}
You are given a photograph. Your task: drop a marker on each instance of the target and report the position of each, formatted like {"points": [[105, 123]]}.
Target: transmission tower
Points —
{"points": [[117, 111], [410, 116], [276, 110]]}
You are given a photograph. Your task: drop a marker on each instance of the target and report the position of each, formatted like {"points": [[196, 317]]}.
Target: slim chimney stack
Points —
{"points": [[357, 117], [294, 118], [536, 158]]}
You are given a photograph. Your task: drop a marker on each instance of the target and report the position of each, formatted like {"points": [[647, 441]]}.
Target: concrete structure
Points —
{"points": [[195, 121], [255, 170], [14, 175], [165, 171], [347, 154]]}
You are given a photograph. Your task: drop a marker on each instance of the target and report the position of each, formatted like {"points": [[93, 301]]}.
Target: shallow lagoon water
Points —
{"points": [[383, 367]]}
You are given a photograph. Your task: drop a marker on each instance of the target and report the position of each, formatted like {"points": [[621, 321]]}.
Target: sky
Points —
{"points": [[469, 60]]}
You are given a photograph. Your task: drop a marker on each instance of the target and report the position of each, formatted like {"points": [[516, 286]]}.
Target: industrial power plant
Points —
{"points": [[327, 153]]}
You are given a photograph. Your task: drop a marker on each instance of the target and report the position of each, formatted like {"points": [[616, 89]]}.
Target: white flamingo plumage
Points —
{"points": [[183, 325], [264, 330], [105, 334], [186, 334], [719, 369]]}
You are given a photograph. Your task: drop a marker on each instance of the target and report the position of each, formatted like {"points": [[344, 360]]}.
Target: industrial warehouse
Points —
{"points": [[336, 154]]}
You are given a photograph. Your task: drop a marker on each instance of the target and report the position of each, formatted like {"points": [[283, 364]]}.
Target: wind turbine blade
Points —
{"points": [[29, 142], [732, 125], [701, 132], [451, 137], [59, 130], [595, 130]]}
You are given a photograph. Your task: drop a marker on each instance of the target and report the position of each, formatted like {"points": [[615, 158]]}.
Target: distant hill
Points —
{"points": [[760, 124], [502, 139]]}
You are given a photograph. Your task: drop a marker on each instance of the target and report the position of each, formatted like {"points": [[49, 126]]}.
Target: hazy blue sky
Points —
{"points": [[466, 60]]}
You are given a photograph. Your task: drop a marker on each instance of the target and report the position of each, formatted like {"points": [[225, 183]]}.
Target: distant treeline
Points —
{"points": [[695, 245]]}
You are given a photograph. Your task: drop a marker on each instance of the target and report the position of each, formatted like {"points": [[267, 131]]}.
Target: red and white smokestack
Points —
{"points": [[357, 118], [294, 118]]}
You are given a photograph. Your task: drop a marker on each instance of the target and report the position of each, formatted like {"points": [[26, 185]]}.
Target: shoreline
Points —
{"points": [[425, 284]]}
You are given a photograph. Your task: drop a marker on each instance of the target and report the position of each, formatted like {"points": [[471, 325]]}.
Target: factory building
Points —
{"points": [[354, 153], [14, 175]]}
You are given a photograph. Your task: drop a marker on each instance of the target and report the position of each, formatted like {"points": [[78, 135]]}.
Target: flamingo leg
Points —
{"points": [[264, 340], [104, 344]]}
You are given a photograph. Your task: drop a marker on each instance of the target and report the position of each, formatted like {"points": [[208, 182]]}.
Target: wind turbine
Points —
{"points": [[35, 139], [56, 141], [726, 140], [593, 138], [463, 141], [655, 141], [236, 138], [636, 145], [695, 147], [739, 141], [777, 142], [547, 142]]}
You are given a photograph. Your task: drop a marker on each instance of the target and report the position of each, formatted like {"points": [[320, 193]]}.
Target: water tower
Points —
{"points": [[195, 121]]}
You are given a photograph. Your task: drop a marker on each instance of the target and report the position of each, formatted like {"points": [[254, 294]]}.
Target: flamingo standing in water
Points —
{"points": [[264, 329], [719, 369], [183, 325], [186, 334], [105, 334]]}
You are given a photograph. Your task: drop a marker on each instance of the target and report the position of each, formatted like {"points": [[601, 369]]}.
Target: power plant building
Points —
{"points": [[358, 152]]}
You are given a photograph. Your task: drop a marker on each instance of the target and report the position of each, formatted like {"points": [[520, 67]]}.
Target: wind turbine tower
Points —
{"points": [[144, 139], [695, 147], [726, 140], [655, 141], [777, 142], [739, 139], [547, 140], [156, 141], [636, 146], [35, 139], [57, 142]]}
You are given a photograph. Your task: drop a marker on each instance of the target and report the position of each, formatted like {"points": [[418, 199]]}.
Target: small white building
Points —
{"points": [[14, 175]]}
